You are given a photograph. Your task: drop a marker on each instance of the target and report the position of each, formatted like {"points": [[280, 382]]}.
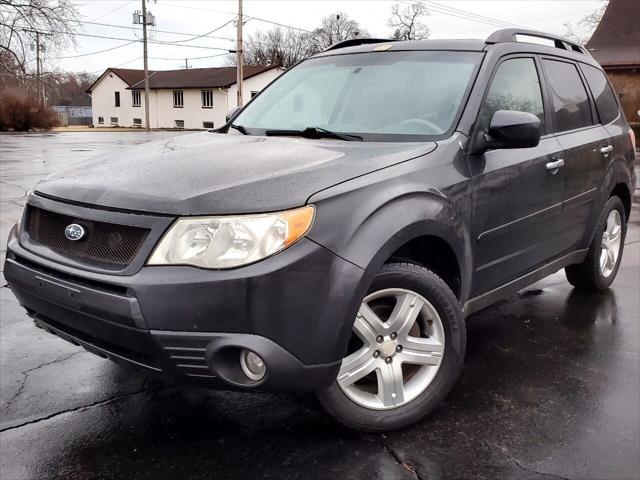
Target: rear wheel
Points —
{"points": [[405, 353], [599, 268]]}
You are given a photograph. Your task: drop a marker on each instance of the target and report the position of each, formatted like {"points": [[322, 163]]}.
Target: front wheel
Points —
{"points": [[405, 353], [599, 268]]}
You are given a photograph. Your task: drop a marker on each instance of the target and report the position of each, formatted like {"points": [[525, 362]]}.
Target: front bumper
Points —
{"points": [[294, 309]]}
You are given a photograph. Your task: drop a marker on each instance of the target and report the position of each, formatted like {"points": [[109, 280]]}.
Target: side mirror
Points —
{"points": [[232, 113], [512, 129]]}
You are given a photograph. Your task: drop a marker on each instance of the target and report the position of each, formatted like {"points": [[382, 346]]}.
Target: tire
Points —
{"points": [[591, 275], [437, 335]]}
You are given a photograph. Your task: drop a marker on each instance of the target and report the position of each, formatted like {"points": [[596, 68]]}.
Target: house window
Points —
{"points": [[117, 99], [178, 99], [137, 122], [136, 98], [207, 99], [207, 124], [114, 120], [179, 123], [254, 93], [101, 120]]}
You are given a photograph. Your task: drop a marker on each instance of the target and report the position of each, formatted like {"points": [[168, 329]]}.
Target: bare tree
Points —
{"points": [[335, 28], [581, 31], [68, 88], [284, 47], [18, 20], [405, 22]]}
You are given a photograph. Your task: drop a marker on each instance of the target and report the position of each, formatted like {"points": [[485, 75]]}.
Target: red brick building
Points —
{"points": [[615, 44]]}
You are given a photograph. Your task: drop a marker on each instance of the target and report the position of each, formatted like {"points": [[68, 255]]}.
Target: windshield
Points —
{"points": [[378, 95]]}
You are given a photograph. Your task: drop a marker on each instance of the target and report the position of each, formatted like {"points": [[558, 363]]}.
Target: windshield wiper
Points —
{"points": [[239, 128], [314, 132]]}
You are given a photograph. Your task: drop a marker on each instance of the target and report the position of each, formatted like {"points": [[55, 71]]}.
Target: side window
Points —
{"points": [[136, 98], [117, 98], [602, 94], [515, 86], [570, 100], [178, 99]]}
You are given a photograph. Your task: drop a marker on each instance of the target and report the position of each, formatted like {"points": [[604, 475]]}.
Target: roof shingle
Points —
{"points": [[218, 77], [616, 41]]}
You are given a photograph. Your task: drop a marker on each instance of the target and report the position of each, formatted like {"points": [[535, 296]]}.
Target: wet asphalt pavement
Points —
{"points": [[550, 388]]}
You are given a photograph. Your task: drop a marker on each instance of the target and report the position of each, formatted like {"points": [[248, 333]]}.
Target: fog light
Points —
{"points": [[252, 365]]}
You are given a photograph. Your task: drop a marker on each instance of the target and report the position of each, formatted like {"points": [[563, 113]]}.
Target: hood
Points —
{"points": [[210, 174]]}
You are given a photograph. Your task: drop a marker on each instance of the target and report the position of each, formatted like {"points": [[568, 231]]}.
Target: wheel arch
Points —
{"points": [[420, 227], [621, 190], [616, 181], [434, 253]]}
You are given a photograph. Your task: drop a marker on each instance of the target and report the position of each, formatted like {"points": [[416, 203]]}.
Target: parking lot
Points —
{"points": [[550, 387]]}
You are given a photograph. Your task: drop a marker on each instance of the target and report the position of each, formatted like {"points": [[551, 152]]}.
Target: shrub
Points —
{"points": [[21, 112]]}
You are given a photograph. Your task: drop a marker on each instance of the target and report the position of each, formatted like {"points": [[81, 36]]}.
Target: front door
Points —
{"points": [[517, 197]]}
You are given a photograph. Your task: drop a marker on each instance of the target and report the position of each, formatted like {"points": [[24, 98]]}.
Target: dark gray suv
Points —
{"points": [[334, 235]]}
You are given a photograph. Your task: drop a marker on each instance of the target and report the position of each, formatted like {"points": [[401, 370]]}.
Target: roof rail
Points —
{"points": [[511, 35], [357, 41]]}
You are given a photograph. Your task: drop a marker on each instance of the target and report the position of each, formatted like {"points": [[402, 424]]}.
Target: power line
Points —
{"points": [[463, 14], [204, 35], [191, 58], [111, 11], [162, 42], [94, 53], [157, 42], [200, 36], [155, 30], [278, 24], [466, 15], [116, 66], [246, 17]]}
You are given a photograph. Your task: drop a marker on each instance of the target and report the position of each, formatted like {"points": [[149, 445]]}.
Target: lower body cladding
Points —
{"points": [[289, 316]]}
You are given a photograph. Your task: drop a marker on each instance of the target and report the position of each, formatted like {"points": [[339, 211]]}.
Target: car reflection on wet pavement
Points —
{"points": [[550, 388]]}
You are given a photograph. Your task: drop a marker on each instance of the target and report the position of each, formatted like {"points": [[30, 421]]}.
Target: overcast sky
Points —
{"points": [[194, 17]]}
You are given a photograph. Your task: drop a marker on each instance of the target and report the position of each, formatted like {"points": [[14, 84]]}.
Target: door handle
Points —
{"points": [[555, 165], [606, 150]]}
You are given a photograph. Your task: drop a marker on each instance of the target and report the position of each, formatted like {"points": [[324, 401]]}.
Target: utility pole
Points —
{"points": [[239, 56], [186, 64], [146, 66], [38, 70], [39, 49]]}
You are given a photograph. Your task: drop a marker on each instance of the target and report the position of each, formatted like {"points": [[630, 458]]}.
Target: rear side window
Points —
{"points": [[601, 90], [570, 100], [515, 86]]}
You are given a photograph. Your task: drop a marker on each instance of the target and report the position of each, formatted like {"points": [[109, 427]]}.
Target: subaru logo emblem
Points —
{"points": [[74, 232]]}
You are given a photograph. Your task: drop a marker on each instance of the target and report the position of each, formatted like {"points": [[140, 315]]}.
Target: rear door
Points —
{"points": [[585, 143], [517, 199]]}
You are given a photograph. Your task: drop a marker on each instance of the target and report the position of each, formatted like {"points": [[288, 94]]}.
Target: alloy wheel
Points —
{"points": [[611, 243], [395, 352]]}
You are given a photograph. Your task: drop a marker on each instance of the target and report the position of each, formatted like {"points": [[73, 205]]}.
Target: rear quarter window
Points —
{"points": [[568, 95], [602, 94]]}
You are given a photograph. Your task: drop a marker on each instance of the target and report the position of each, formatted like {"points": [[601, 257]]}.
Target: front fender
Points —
{"points": [[367, 219]]}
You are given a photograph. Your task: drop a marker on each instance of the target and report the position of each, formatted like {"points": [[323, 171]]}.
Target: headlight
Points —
{"points": [[228, 242]]}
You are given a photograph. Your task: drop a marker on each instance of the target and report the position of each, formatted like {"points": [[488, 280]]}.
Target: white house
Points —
{"points": [[197, 98]]}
